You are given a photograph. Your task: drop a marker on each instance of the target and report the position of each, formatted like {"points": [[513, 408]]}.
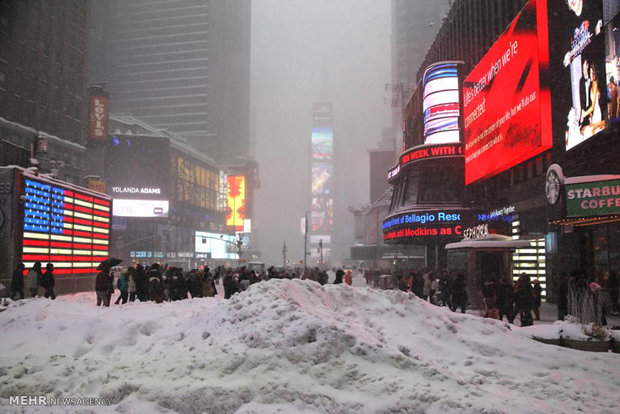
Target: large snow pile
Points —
{"points": [[293, 347]]}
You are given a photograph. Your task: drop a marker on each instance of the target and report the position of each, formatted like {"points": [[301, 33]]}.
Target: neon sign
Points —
{"points": [[423, 224], [424, 152]]}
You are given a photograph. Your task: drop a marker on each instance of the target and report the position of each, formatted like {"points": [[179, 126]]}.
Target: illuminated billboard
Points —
{"points": [[236, 202], [422, 224], [441, 104], [506, 109], [218, 246], [140, 208], [64, 226], [322, 215], [137, 175], [578, 67], [322, 179], [98, 114], [322, 144]]}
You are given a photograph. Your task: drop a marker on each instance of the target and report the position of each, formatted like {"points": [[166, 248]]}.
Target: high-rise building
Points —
{"points": [[43, 74], [179, 65], [414, 26]]}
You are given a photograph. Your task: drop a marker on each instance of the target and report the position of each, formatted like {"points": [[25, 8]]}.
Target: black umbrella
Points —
{"points": [[110, 262]]}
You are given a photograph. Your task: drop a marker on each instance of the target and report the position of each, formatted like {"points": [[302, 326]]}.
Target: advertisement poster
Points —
{"points": [[578, 68], [322, 144], [612, 68], [506, 110], [322, 179]]}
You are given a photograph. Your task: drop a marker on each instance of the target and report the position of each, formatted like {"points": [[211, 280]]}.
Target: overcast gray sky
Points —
{"points": [[304, 51]]}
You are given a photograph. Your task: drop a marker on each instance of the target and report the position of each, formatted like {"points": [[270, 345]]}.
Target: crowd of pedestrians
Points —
{"points": [[498, 298]]}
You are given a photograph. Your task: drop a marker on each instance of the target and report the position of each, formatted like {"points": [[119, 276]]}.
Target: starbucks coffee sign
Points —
{"points": [[594, 198]]}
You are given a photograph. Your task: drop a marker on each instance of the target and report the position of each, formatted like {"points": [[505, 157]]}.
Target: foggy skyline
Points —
{"points": [[305, 52]]}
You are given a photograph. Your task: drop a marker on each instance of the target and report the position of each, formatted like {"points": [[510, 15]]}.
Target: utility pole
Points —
{"points": [[321, 251], [284, 250]]}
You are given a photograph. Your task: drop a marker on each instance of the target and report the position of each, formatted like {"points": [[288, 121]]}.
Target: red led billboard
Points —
{"points": [[506, 108]]}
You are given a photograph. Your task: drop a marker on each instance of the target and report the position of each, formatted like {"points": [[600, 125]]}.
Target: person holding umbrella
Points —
{"points": [[103, 282]]}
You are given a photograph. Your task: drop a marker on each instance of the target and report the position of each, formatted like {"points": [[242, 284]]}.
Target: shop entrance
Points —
{"points": [[480, 260]]}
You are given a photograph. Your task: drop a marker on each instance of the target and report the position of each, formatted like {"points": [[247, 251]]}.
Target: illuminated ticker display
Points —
{"points": [[236, 201], [65, 227]]}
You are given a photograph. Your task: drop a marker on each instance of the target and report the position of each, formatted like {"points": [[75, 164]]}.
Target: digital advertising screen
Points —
{"points": [[140, 208], [423, 224], [322, 174], [137, 168], [64, 226], [236, 202], [322, 144], [219, 246], [506, 107], [441, 104], [322, 215], [612, 69], [578, 68]]}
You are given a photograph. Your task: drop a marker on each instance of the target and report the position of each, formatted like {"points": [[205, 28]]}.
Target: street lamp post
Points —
{"points": [[239, 244], [284, 250], [305, 238], [321, 252]]}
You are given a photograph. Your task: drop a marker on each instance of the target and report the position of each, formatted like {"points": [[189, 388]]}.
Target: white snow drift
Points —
{"points": [[292, 347]]}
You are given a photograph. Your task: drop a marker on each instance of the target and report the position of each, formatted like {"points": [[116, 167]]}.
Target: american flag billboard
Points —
{"points": [[64, 226]]}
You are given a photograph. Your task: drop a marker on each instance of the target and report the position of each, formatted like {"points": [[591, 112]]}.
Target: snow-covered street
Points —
{"points": [[293, 347]]}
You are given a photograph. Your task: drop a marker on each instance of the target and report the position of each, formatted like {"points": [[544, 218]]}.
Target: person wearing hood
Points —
{"points": [[142, 288], [339, 275], [17, 282], [131, 284], [33, 279], [48, 282], [348, 277], [103, 285], [123, 287]]}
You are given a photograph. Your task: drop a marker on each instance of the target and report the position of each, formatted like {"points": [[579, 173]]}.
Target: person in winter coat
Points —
{"points": [[459, 294], [131, 284], [348, 277], [123, 286], [208, 284], [537, 299], [524, 298], [48, 282], [612, 286], [339, 275], [506, 301], [33, 279], [489, 296], [323, 277], [426, 288], [142, 288], [17, 282], [230, 284], [103, 285], [417, 285], [563, 297]]}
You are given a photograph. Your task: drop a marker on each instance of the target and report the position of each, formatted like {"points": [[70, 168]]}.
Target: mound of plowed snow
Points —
{"points": [[292, 346]]}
